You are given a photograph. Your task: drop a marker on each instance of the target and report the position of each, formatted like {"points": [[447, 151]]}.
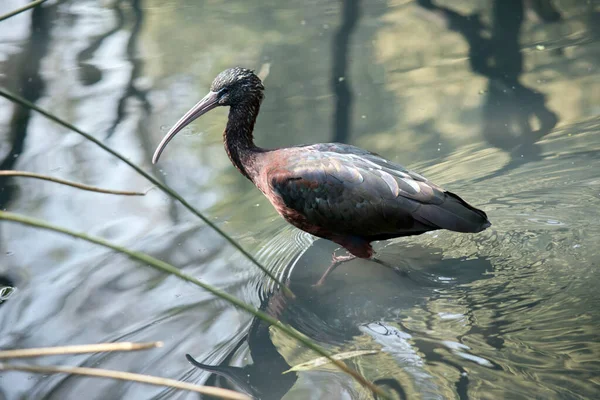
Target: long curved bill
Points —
{"points": [[210, 101]]}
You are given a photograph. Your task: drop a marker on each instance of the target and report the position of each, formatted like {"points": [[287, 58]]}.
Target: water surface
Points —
{"points": [[497, 100]]}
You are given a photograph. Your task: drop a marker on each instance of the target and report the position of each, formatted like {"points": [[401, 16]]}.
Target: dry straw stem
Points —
{"points": [[81, 186], [318, 362], [168, 268], [78, 349], [159, 184], [126, 376], [20, 10]]}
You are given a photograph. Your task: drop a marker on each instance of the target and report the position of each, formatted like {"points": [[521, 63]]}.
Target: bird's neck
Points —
{"points": [[238, 138]]}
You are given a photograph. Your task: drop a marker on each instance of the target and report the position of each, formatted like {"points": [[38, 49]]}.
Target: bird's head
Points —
{"points": [[232, 87], [237, 85]]}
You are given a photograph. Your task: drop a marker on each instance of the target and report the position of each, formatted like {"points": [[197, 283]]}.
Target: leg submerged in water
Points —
{"points": [[355, 246], [336, 261]]}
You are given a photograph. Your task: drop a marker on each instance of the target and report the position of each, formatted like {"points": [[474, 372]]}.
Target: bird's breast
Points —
{"points": [[291, 215]]}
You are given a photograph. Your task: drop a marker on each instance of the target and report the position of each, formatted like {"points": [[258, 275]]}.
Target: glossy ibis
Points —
{"points": [[331, 190]]}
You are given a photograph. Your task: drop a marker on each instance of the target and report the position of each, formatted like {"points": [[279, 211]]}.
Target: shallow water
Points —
{"points": [[511, 312]]}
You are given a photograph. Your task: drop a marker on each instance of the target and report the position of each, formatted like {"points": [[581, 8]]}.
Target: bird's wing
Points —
{"points": [[354, 191], [370, 158]]}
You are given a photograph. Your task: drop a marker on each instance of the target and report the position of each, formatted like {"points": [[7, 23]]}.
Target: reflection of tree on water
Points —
{"points": [[510, 106], [30, 85], [90, 74], [339, 75], [136, 69], [296, 84]]}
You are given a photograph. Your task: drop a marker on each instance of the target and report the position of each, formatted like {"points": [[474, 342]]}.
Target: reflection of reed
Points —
{"points": [[30, 84], [340, 84], [509, 105]]}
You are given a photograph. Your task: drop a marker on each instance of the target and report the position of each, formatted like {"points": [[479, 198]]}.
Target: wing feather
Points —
{"points": [[360, 194]]}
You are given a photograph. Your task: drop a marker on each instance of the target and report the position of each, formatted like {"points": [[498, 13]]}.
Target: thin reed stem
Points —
{"points": [[126, 376], [77, 349], [20, 10], [81, 186]]}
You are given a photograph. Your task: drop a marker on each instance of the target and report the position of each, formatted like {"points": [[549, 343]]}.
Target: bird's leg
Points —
{"points": [[335, 262]]}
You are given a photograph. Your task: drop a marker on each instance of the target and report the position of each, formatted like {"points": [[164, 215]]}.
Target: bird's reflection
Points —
{"points": [[355, 302], [263, 378]]}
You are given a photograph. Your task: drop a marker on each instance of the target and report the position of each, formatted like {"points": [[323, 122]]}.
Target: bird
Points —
{"points": [[334, 191]]}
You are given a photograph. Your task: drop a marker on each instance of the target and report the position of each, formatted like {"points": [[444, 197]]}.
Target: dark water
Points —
{"points": [[496, 100]]}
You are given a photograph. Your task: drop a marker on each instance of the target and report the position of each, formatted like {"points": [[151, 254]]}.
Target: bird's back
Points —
{"points": [[332, 188]]}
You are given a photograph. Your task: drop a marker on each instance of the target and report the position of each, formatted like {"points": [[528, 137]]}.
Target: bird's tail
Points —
{"points": [[455, 214]]}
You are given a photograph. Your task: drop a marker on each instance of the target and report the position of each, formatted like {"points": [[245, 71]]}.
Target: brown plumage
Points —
{"points": [[334, 191]]}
